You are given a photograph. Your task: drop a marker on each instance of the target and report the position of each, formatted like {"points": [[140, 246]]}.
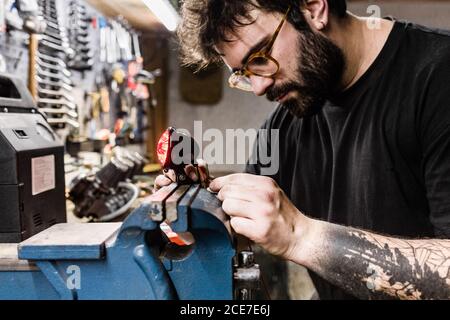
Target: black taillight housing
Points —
{"points": [[176, 150]]}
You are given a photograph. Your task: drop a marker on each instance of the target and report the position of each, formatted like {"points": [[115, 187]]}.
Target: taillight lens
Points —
{"points": [[163, 147]]}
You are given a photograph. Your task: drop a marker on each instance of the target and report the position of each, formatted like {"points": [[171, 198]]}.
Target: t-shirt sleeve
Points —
{"points": [[435, 139]]}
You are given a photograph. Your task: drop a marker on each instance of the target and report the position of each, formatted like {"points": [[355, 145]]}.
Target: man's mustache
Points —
{"points": [[276, 92]]}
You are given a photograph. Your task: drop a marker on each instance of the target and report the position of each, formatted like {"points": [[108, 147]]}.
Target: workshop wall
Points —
{"points": [[430, 13], [235, 110], [244, 110]]}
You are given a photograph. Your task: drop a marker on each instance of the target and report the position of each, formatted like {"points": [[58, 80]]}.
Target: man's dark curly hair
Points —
{"points": [[207, 22]]}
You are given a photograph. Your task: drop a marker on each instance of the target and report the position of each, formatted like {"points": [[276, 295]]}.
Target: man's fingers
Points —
{"points": [[243, 209], [244, 226], [240, 192], [235, 207], [162, 181], [203, 170], [191, 172], [199, 173], [170, 174], [240, 178]]}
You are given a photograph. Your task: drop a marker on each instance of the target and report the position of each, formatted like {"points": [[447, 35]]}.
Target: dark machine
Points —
{"points": [[31, 166], [107, 194]]}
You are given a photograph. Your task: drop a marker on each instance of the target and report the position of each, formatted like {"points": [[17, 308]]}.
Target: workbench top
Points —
{"points": [[69, 241]]}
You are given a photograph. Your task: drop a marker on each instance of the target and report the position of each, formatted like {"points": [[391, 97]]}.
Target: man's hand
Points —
{"points": [[199, 174], [261, 211], [363, 263]]}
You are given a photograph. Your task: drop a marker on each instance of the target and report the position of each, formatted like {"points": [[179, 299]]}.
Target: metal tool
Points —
{"points": [[59, 111], [52, 59], [56, 35], [54, 84], [80, 64], [63, 121], [56, 26], [83, 40], [51, 27], [136, 46], [55, 41], [56, 93], [77, 9], [53, 46], [247, 276], [51, 75], [56, 102], [56, 68], [84, 50]]}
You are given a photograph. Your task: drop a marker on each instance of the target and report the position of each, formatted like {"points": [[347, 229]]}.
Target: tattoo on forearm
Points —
{"points": [[376, 267]]}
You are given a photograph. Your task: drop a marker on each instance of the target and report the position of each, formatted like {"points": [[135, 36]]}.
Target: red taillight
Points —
{"points": [[163, 147]]}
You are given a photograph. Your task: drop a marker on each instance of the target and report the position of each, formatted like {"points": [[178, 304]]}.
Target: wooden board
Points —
{"points": [[135, 11]]}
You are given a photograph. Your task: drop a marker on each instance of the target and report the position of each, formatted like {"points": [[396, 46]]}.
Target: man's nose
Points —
{"points": [[260, 84]]}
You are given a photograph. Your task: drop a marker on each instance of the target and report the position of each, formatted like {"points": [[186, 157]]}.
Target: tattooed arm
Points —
{"points": [[371, 266], [366, 265]]}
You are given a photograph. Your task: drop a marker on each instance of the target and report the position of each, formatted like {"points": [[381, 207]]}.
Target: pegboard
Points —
{"points": [[13, 48]]}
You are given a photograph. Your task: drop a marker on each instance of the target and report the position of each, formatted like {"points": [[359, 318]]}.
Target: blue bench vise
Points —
{"points": [[134, 259]]}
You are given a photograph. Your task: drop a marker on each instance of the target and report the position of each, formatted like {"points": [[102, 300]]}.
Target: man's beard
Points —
{"points": [[320, 69]]}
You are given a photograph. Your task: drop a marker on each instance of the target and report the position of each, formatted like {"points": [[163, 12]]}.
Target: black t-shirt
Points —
{"points": [[377, 157]]}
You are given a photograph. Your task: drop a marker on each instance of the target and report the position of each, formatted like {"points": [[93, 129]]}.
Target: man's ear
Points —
{"points": [[317, 13]]}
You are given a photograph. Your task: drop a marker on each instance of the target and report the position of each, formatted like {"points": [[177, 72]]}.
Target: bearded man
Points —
{"points": [[362, 194]]}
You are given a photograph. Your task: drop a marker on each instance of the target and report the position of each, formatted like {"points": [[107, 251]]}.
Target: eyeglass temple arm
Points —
{"points": [[275, 35]]}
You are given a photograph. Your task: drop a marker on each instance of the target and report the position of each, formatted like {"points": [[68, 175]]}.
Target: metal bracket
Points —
{"points": [[247, 276]]}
